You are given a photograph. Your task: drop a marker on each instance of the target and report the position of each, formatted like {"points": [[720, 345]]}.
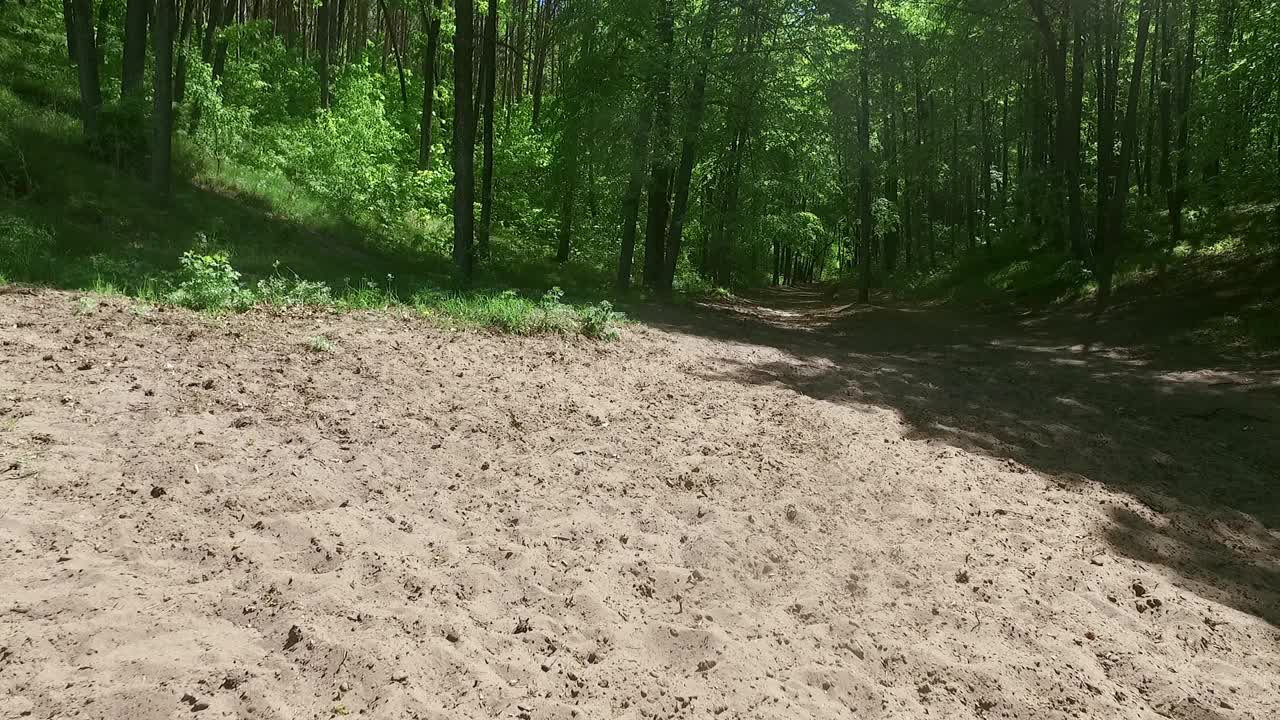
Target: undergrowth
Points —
{"points": [[207, 281]]}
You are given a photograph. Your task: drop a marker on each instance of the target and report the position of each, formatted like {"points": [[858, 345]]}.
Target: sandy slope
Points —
{"points": [[206, 516]]}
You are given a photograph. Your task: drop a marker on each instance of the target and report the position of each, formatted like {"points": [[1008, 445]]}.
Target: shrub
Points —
{"points": [[600, 321], [208, 282], [25, 248], [281, 291]]}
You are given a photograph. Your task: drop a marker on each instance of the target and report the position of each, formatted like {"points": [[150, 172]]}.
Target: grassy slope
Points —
{"points": [[1219, 289], [74, 219]]}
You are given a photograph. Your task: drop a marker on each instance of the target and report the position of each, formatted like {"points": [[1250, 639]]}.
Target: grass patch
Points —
{"points": [[320, 344], [513, 313]]}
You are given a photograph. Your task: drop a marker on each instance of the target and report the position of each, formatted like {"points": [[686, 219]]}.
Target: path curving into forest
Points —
{"points": [[783, 507]]}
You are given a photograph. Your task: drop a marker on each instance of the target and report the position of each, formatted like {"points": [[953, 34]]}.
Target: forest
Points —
{"points": [[640, 359], [682, 146]]}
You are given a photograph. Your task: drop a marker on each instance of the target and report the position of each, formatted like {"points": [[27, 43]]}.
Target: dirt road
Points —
{"points": [[780, 509]]}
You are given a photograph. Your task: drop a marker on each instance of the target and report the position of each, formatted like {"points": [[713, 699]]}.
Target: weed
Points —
{"points": [[320, 344], [281, 291], [86, 305], [209, 282], [600, 321]]}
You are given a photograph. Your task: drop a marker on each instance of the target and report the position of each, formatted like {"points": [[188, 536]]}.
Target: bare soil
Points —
{"points": [[768, 509]]}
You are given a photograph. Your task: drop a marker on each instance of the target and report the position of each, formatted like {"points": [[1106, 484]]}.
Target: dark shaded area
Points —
{"points": [[1195, 439]]}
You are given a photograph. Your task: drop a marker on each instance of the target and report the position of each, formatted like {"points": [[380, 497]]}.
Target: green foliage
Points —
{"points": [[600, 321], [209, 282], [25, 248], [292, 291], [510, 312], [222, 130]]}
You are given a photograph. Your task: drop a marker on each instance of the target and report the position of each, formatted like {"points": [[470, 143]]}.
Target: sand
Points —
{"points": [[734, 512]]}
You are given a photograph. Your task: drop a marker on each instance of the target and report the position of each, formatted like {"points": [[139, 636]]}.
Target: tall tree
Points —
{"points": [[689, 149], [430, 20], [162, 116], [865, 190], [1108, 245], [87, 60], [660, 173], [135, 46], [323, 44], [490, 76], [464, 189]]}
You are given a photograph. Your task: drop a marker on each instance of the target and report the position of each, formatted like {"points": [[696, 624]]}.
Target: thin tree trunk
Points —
{"points": [[90, 87], [431, 20], [540, 60], [162, 117], [660, 174], [395, 49], [864, 148], [635, 188], [220, 52], [322, 46], [1114, 242], [184, 39], [688, 152], [490, 92], [1178, 190], [464, 141]]}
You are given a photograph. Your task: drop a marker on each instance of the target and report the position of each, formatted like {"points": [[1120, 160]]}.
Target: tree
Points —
{"points": [[463, 141], [689, 149], [87, 60], [1109, 243], [660, 170], [866, 219], [430, 19], [135, 46], [162, 116], [489, 93]]}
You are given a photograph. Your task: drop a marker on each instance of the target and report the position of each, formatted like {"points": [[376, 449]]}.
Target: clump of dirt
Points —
{"points": [[208, 518]]}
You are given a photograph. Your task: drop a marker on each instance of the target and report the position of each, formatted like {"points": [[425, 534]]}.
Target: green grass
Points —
{"points": [[510, 312]]}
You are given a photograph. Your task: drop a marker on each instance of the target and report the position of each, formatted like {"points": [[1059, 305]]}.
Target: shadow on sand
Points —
{"points": [[1199, 443]]}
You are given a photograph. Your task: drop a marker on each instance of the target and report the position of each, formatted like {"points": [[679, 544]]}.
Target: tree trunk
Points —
{"points": [[1115, 240], [211, 30], [490, 88], [430, 20], [220, 52], [134, 59], [184, 38], [517, 57], [464, 141], [322, 48], [1178, 189], [864, 146], [543, 40], [631, 197], [90, 87], [162, 117], [660, 174], [395, 49], [688, 152], [69, 24], [891, 171]]}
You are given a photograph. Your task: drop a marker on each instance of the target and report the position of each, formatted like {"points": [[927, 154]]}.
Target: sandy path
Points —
{"points": [[713, 518]]}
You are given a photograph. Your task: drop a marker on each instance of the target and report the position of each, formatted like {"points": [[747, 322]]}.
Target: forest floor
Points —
{"points": [[775, 508]]}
